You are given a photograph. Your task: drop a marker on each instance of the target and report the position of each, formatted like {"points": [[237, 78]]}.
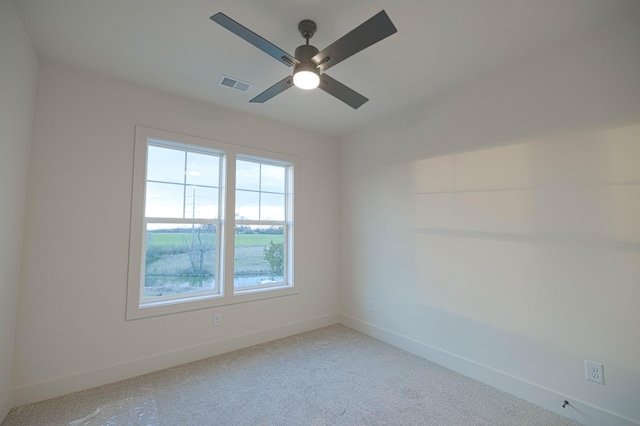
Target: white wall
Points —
{"points": [[18, 77], [72, 332], [497, 228]]}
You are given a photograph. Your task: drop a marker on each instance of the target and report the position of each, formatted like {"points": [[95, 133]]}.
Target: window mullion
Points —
{"points": [[184, 187], [230, 228], [259, 205]]}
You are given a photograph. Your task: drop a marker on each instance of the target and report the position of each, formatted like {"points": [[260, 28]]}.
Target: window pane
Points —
{"points": [[201, 203], [203, 169], [247, 175], [165, 164], [180, 259], [272, 206], [164, 200], [247, 205], [259, 256], [272, 178]]}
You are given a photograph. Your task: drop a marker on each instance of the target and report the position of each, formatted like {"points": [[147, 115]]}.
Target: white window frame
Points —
{"points": [[287, 224], [161, 300], [136, 306]]}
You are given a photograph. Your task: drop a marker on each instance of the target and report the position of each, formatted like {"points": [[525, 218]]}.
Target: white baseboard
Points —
{"points": [[114, 373], [580, 411], [6, 403]]}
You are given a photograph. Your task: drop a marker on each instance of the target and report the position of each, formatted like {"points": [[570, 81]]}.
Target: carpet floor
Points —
{"points": [[330, 376]]}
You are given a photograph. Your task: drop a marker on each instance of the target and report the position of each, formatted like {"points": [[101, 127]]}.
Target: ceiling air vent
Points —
{"points": [[233, 83]]}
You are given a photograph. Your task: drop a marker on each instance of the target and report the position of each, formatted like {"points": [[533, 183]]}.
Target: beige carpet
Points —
{"points": [[331, 376]]}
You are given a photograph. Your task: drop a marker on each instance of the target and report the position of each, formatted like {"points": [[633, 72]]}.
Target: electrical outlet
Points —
{"points": [[594, 371], [217, 319], [369, 306]]}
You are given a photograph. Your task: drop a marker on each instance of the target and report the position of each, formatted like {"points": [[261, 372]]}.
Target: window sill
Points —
{"points": [[170, 307]]}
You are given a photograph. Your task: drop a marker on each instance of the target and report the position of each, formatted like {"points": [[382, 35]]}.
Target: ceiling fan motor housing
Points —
{"points": [[304, 54]]}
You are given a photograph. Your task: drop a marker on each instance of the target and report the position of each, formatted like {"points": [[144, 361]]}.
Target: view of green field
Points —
{"points": [[184, 262]]}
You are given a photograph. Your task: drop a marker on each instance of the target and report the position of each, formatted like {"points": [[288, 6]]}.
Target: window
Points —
{"points": [[261, 224], [182, 223], [211, 224]]}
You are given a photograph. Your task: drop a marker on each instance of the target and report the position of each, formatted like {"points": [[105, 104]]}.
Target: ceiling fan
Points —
{"points": [[309, 63]]}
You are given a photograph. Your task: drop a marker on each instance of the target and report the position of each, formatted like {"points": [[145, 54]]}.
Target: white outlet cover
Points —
{"points": [[217, 319], [594, 371]]}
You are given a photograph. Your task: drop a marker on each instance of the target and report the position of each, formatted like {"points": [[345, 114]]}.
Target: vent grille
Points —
{"points": [[234, 83]]}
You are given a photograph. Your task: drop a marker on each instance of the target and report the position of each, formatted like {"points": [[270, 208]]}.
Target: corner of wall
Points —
{"points": [[18, 82], [6, 403]]}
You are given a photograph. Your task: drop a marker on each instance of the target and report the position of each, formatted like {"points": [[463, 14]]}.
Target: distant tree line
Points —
{"points": [[272, 230]]}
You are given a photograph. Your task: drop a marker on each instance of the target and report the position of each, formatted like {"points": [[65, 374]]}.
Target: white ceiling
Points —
{"points": [[173, 46]]}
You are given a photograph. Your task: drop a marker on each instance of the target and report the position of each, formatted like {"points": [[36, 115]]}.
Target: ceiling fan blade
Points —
{"points": [[342, 92], [368, 33], [253, 38], [277, 88]]}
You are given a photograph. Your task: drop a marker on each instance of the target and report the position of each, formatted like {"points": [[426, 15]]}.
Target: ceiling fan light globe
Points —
{"points": [[306, 79]]}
